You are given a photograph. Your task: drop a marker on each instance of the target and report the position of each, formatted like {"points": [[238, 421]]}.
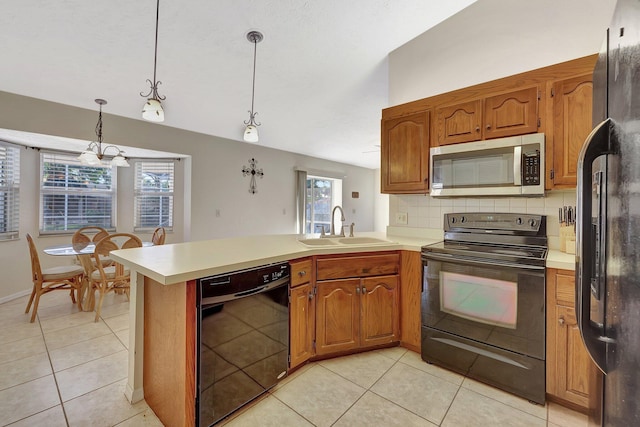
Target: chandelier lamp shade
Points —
{"points": [[152, 109], [94, 153], [251, 129]]}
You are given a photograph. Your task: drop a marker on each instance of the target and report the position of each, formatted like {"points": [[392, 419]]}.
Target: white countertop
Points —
{"points": [[561, 260], [175, 263]]}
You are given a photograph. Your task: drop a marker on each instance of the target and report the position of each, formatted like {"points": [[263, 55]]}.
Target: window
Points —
{"points": [[9, 192], [73, 195], [322, 195], [154, 194]]}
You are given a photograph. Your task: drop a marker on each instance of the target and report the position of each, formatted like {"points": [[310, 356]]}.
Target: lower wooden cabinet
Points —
{"points": [[337, 316], [343, 303], [302, 317], [410, 298], [356, 313], [569, 367], [302, 324]]}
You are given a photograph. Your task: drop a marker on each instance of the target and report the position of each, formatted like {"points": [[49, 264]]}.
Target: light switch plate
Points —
{"points": [[401, 218]]}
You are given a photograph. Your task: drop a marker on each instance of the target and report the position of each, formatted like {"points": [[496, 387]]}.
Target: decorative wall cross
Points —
{"points": [[253, 187]]}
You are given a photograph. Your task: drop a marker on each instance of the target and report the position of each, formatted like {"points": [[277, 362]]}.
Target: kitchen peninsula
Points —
{"points": [[163, 316]]}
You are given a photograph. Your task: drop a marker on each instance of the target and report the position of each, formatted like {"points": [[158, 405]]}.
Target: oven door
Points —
{"points": [[499, 305]]}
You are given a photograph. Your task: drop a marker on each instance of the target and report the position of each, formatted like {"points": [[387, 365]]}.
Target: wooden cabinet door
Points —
{"points": [[573, 362], [405, 154], [410, 294], [337, 316], [379, 310], [569, 367], [572, 105], [301, 324], [459, 123], [513, 113]]}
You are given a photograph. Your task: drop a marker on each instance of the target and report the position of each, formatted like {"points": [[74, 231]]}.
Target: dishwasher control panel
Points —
{"points": [[249, 281]]}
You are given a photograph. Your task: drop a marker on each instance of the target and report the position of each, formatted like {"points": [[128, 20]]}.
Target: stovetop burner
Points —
{"points": [[500, 237]]}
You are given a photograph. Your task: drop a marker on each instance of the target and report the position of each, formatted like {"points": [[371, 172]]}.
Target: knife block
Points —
{"points": [[568, 239]]}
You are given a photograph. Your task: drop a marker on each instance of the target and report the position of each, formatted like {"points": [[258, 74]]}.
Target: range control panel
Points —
{"points": [[481, 222]]}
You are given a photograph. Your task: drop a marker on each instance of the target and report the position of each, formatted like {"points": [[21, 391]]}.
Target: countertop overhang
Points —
{"points": [[180, 262]]}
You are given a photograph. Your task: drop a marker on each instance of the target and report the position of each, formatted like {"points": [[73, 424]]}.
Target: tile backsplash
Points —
{"points": [[428, 212]]}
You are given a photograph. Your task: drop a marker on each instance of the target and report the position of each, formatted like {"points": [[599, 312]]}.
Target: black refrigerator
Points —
{"points": [[608, 226]]}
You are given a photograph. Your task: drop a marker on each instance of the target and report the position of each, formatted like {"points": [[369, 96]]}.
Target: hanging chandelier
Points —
{"points": [[152, 110], [251, 130], [94, 153]]}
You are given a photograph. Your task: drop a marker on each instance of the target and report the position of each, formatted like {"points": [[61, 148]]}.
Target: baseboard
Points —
{"points": [[15, 296]]}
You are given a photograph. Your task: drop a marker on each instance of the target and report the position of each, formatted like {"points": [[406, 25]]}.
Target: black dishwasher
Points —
{"points": [[243, 338]]}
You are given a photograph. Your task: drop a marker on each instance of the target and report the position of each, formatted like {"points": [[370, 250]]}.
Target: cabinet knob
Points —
{"points": [[477, 128], [488, 126], [302, 273], [357, 290], [561, 321], [310, 295], [364, 290]]}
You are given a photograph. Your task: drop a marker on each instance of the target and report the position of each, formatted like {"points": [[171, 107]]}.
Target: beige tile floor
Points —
{"points": [[66, 370]]}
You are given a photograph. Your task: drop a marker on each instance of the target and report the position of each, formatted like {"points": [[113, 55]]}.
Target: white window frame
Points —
{"points": [[9, 191], [72, 160], [336, 199], [140, 193]]}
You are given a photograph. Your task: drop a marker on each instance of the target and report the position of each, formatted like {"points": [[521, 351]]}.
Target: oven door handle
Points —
{"points": [[453, 259]]}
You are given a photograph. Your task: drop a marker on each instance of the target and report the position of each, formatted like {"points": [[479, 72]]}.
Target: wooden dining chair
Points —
{"points": [[64, 277], [84, 235], [158, 236], [114, 277]]}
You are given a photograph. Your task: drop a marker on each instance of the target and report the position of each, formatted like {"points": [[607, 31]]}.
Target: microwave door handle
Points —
{"points": [[517, 165], [595, 146]]}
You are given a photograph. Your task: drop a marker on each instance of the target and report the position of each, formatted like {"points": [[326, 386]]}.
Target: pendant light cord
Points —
{"points": [[155, 55], [253, 88]]}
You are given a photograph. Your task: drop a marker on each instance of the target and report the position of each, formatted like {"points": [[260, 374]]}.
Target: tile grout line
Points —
{"points": [[55, 379], [395, 403]]}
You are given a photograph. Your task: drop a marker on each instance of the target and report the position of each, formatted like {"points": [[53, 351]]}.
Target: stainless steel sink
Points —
{"points": [[363, 241], [343, 241], [318, 242]]}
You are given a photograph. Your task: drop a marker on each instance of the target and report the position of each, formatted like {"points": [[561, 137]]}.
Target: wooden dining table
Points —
{"points": [[84, 249]]}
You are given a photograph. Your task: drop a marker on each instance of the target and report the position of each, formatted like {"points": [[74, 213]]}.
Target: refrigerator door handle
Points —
{"points": [[597, 144]]}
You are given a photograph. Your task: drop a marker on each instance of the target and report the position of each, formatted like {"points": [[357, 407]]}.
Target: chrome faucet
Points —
{"points": [[333, 227]]}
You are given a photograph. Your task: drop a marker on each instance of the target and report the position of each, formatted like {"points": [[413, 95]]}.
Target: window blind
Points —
{"points": [[9, 192], [73, 195], [154, 185]]}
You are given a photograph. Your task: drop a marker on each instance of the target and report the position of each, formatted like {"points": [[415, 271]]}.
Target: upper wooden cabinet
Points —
{"points": [[508, 114], [405, 154], [513, 105], [572, 105], [460, 123], [513, 113]]}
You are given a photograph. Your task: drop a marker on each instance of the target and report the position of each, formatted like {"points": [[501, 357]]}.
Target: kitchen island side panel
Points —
{"points": [[169, 351]]}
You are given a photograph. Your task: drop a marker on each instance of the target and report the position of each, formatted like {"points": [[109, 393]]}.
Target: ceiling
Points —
{"points": [[321, 72]]}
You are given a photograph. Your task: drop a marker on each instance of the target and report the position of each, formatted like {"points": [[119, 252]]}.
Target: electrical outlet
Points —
{"points": [[401, 218]]}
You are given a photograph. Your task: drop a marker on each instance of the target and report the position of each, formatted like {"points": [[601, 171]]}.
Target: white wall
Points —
{"points": [[212, 180], [492, 39]]}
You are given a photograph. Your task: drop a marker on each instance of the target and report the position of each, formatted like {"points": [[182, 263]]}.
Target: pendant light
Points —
{"points": [[94, 153], [152, 110], [251, 131]]}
